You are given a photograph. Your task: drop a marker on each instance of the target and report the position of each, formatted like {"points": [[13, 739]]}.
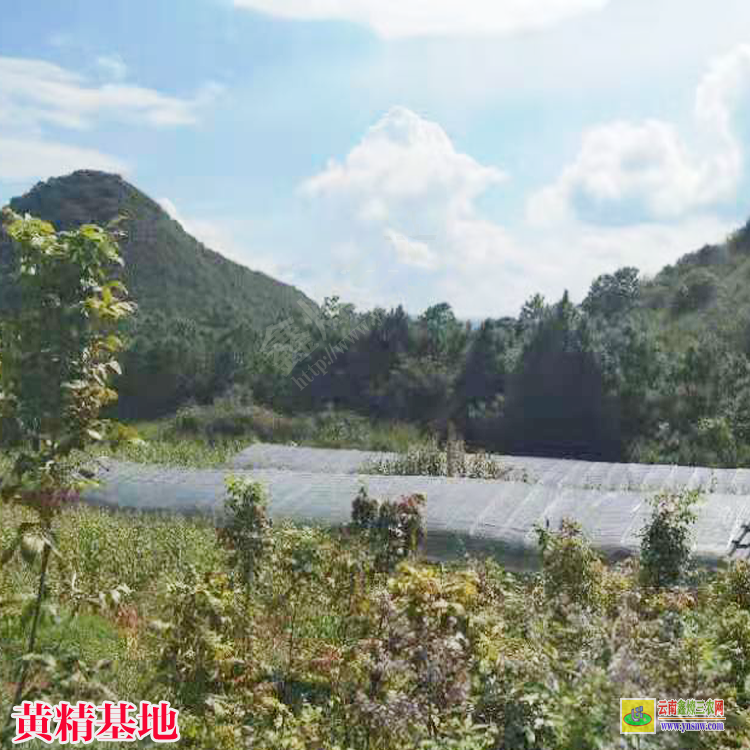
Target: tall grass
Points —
{"points": [[428, 459], [208, 436], [97, 552]]}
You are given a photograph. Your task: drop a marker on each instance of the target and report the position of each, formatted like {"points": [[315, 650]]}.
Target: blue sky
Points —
{"points": [[398, 151]]}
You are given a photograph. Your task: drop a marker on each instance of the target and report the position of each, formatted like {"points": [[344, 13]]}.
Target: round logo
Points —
{"points": [[642, 721]]}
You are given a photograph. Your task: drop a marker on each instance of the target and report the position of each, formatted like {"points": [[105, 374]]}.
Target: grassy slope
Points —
{"points": [[99, 548]]}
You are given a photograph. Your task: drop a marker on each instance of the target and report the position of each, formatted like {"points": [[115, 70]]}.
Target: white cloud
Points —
{"points": [[28, 159], [646, 171], [411, 252], [113, 66], [36, 96], [404, 158], [35, 93], [406, 182], [401, 208], [576, 253], [404, 204], [404, 18], [571, 257]]}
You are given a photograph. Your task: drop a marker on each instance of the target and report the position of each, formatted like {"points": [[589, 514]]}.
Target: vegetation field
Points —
{"points": [[297, 637], [210, 435]]}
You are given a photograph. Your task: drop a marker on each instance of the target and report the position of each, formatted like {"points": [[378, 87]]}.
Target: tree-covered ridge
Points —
{"points": [[166, 269], [646, 370], [702, 287]]}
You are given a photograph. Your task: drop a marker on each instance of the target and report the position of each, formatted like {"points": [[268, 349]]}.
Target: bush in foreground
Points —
{"points": [[326, 650]]}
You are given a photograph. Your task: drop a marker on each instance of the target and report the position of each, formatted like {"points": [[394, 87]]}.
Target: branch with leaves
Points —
{"points": [[58, 348]]}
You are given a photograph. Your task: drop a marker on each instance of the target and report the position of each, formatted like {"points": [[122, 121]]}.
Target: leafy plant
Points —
{"points": [[246, 531], [394, 529], [324, 650], [734, 645], [197, 657], [697, 289], [733, 585], [430, 460], [67, 678], [57, 357], [665, 539], [571, 568]]}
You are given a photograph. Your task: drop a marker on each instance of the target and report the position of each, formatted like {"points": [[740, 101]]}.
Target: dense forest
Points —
{"points": [[653, 370]]}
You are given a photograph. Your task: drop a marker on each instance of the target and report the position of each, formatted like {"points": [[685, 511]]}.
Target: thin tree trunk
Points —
{"points": [[290, 659], [32, 635]]}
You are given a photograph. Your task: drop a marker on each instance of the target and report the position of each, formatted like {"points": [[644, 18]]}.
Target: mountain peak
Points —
{"points": [[86, 196], [166, 269]]}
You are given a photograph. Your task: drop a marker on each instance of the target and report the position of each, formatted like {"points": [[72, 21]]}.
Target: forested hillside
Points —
{"points": [[703, 288], [187, 294], [166, 269], [643, 370], [653, 370]]}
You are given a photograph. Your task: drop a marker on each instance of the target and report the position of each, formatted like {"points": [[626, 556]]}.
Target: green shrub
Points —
{"points": [[571, 569], [665, 540], [429, 460], [325, 651], [394, 529], [733, 585], [733, 633], [210, 435], [364, 511], [716, 441], [197, 657], [419, 460], [246, 531]]}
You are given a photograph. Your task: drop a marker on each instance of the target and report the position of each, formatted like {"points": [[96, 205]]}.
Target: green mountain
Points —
{"points": [[704, 291], [166, 269]]}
